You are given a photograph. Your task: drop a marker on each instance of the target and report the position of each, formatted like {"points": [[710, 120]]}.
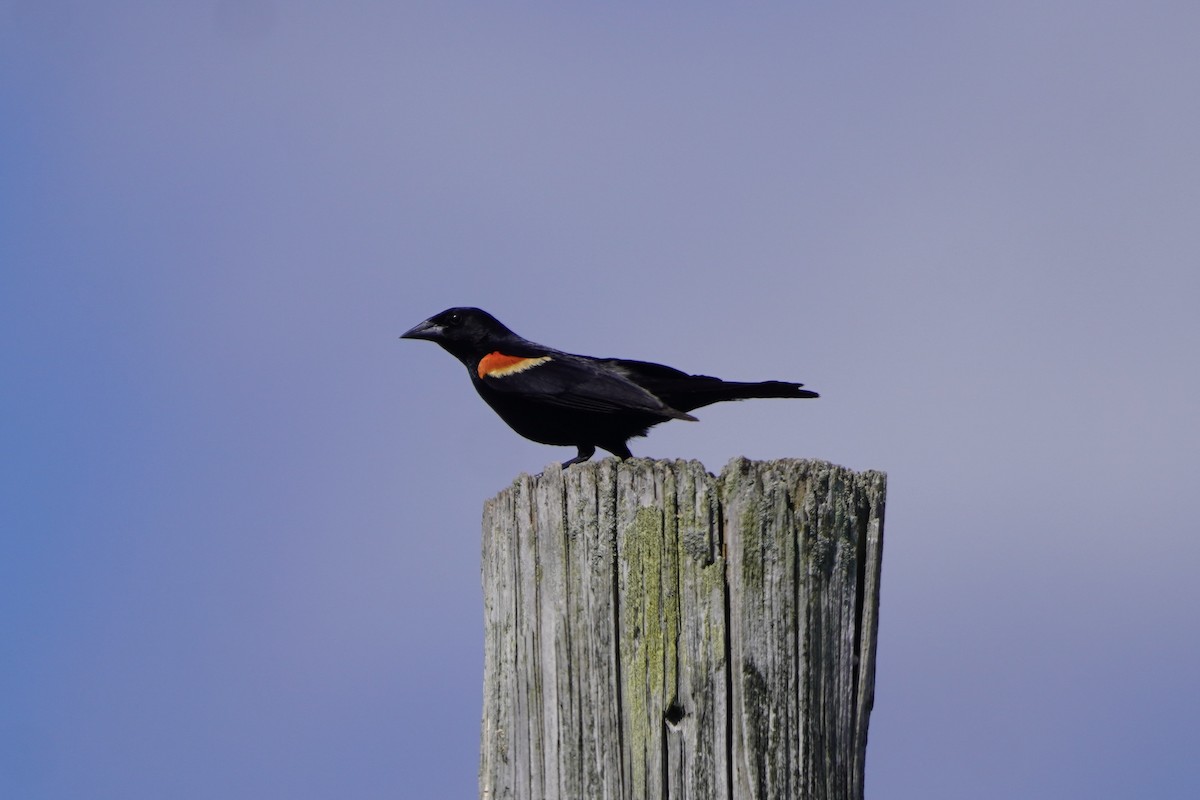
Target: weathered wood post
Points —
{"points": [[654, 631]]}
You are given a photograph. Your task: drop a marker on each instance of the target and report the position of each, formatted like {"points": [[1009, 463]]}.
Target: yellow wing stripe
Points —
{"points": [[498, 365]]}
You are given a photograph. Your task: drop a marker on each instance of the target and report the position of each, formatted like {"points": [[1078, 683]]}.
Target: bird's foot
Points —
{"points": [[585, 452]]}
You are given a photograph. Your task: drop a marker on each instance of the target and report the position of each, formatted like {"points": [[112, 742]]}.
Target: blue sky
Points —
{"points": [[240, 518]]}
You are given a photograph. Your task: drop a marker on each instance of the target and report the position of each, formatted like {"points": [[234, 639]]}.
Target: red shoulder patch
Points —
{"points": [[497, 364]]}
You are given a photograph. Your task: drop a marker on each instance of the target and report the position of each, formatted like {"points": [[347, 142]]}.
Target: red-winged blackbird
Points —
{"points": [[554, 397]]}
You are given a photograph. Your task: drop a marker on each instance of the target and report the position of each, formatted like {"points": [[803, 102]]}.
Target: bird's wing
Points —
{"points": [[570, 381], [648, 373], [685, 391], [660, 380]]}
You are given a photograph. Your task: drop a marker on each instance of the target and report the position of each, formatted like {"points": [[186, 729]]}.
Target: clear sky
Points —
{"points": [[239, 519]]}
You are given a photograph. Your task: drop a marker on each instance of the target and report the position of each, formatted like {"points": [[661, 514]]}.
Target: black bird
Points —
{"points": [[554, 397]]}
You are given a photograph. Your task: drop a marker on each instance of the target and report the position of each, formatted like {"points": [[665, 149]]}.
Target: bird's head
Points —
{"points": [[466, 333]]}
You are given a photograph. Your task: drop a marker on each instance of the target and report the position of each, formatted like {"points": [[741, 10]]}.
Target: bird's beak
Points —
{"points": [[424, 330]]}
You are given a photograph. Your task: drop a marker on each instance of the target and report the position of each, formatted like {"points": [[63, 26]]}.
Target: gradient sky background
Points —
{"points": [[240, 518]]}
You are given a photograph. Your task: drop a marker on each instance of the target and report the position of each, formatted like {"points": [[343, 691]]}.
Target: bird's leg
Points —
{"points": [[618, 449], [586, 451]]}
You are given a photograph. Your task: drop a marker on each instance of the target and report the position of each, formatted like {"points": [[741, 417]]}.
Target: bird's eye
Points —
{"points": [[454, 319]]}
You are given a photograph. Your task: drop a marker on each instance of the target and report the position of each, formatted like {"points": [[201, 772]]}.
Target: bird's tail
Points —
{"points": [[684, 392], [701, 392]]}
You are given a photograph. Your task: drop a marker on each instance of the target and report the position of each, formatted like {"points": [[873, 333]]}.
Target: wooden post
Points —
{"points": [[654, 632]]}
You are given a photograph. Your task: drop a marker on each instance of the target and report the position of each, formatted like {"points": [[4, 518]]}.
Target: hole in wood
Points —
{"points": [[674, 716]]}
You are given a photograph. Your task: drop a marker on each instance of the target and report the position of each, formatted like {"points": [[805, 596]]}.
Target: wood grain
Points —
{"points": [[653, 631]]}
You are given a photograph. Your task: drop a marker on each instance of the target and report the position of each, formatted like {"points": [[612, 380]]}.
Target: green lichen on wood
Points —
{"points": [[642, 645], [651, 608], [752, 574], [712, 583], [669, 542]]}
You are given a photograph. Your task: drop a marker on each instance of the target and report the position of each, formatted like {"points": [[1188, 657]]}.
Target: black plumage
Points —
{"points": [[561, 398]]}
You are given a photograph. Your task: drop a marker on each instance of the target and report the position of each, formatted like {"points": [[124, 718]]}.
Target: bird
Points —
{"points": [[558, 398]]}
